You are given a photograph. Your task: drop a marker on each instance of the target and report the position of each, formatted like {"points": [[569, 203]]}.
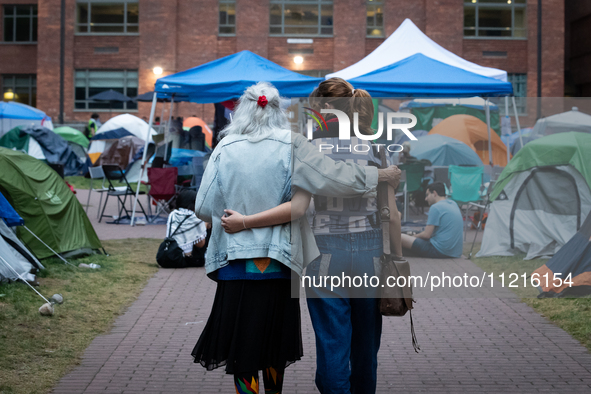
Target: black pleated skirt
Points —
{"points": [[254, 324]]}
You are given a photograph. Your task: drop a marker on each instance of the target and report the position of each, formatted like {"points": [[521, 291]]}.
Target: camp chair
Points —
{"points": [[413, 182], [466, 183], [96, 173], [162, 188], [482, 210], [441, 174], [114, 173]]}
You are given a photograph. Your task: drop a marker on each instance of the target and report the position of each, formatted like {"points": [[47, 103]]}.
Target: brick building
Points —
{"points": [[118, 43]]}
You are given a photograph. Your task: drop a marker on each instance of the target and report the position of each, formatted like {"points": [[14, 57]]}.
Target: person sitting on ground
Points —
{"points": [[192, 236], [442, 237]]}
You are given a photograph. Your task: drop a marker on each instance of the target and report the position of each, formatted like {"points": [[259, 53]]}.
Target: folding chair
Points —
{"points": [[162, 188], [115, 173], [96, 173], [466, 184]]}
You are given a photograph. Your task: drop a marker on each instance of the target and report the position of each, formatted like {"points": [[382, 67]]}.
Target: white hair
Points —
{"points": [[255, 121]]}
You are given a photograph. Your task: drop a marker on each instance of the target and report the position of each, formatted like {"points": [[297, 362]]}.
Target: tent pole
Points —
{"points": [[23, 279], [53, 251], [167, 130], [508, 117], [487, 111], [517, 121], [148, 134]]}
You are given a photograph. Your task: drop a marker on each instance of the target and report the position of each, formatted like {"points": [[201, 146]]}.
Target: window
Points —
{"points": [[301, 18], [375, 18], [107, 17], [91, 82], [21, 88], [495, 18], [227, 25], [20, 23]]}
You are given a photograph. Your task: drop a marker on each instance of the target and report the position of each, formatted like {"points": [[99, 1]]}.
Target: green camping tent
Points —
{"points": [[47, 205], [541, 198], [72, 135]]}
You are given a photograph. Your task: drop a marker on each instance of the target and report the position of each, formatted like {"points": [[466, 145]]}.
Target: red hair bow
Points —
{"points": [[262, 101]]}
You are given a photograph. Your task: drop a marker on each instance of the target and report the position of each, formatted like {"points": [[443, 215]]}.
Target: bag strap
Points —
{"points": [[179, 226], [383, 208]]}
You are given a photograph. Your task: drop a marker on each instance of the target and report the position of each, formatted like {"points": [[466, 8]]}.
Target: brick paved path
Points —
{"points": [[490, 344]]}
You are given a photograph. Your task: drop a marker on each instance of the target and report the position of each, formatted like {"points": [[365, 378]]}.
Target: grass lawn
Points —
{"points": [[36, 351], [571, 314], [80, 182]]}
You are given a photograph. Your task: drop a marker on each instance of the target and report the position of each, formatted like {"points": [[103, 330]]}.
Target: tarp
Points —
{"points": [[430, 111], [472, 131], [8, 213], [14, 114], [227, 78], [444, 151], [14, 254], [419, 76], [54, 149], [406, 41], [47, 205], [122, 152], [72, 135], [572, 259], [559, 149]]}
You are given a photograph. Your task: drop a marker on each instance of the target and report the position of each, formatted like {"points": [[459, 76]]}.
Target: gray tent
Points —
{"points": [[573, 120], [14, 256]]}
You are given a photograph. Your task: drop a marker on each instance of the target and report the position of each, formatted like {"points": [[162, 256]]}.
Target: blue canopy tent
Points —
{"points": [[420, 76], [444, 151], [226, 79], [14, 114]]}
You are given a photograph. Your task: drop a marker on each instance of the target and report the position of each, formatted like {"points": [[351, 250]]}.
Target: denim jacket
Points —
{"points": [[251, 177]]}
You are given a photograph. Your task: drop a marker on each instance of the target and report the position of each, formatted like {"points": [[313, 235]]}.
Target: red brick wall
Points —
{"points": [[514, 62], [252, 26], [444, 21], [349, 32], [180, 34], [127, 57], [322, 57]]}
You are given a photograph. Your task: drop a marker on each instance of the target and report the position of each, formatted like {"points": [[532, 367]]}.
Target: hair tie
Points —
{"points": [[353, 92], [262, 101]]}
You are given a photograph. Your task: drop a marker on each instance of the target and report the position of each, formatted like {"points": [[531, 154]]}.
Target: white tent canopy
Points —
{"points": [[133, 124], [406, 41]]}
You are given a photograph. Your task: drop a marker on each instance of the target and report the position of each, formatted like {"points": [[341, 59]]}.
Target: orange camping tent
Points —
{"points": [[472, 131], [194, 121]]}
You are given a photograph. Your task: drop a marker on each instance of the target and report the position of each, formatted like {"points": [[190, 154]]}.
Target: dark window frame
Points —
{"points": [[282, 26], [87, 78], [489, 5], [32, 86], [374, 5], [84, 29], [33, 12], [226, 18]]}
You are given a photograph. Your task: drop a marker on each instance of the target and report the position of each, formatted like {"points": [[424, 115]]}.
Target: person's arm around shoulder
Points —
{"points": [[319, 174]]}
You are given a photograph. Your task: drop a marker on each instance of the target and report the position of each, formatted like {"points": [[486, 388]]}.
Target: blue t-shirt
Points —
{"points": [[446, 216]]}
